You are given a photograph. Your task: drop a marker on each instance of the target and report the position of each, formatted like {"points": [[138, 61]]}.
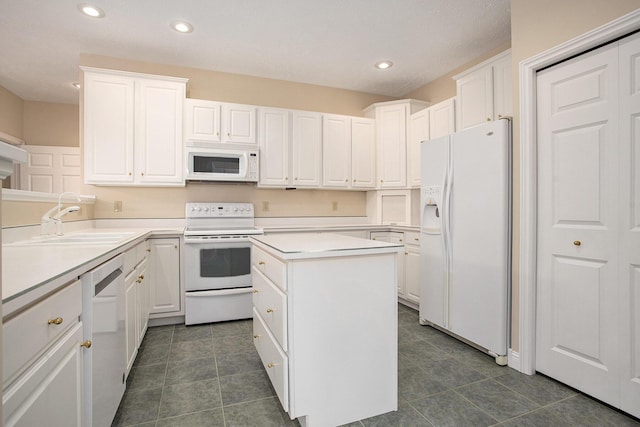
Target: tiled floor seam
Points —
{"points": [[420, 413], [215, 360], [164, 381], [479, 408]]}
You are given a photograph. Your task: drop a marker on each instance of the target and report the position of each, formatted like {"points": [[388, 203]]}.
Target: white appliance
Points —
{"points": [[103, 317], [218, 261], [229, 163], [465, 243]]}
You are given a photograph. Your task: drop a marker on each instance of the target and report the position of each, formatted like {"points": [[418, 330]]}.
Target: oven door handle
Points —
{"points": [[218, 292]]}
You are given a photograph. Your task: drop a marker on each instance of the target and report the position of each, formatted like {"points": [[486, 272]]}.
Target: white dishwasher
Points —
{"points": [[103, 311]]}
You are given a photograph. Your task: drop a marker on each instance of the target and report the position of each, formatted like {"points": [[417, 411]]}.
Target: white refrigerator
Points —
{"points": [[465, 245]]}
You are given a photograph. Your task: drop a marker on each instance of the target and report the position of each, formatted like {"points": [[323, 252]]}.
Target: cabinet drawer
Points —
{"points": [[271, 303], [273, 358], [412, 238], [270, 266], [30, 332]]}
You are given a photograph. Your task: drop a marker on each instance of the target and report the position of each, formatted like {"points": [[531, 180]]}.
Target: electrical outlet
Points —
{"points": [[334, 206], [265, 206], [117, 206]]}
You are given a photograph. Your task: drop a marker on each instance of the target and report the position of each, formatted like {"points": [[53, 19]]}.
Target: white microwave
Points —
{"points": [[221, 164]]}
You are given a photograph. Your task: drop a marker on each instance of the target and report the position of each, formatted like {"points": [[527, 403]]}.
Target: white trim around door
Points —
{"points": [[528, 169]]}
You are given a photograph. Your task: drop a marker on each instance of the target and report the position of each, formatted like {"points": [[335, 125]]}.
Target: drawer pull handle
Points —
{"points": [[141, 277], [416, 239], [138, 280], [577, 242], [86, 344], [56, 321], [261, 263], [269, 310], [271, 365], [256, 336], [148, 250], [255, 291]]}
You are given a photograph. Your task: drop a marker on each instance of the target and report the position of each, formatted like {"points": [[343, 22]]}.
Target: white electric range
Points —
{"points": [[218, 261]]}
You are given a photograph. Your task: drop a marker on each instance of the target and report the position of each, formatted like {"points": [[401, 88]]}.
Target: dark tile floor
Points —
{"points": [[210, 375]]}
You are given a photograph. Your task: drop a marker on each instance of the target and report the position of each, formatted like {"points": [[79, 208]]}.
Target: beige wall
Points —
{"points": [[47, 123], [29, 213], [444, 87], [217, 86], [11, 113], [537, 26]]}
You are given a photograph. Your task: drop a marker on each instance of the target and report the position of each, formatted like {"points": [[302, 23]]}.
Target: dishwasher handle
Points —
{"points": [[106, 281]]}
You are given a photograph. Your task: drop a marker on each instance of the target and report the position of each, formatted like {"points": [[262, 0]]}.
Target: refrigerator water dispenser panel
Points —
{"points": [[431, 209]]}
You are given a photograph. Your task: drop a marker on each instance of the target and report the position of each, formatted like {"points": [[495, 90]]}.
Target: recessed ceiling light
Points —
{"points": [[383, 65], [182, 26], [76, 85], [90, 10]]}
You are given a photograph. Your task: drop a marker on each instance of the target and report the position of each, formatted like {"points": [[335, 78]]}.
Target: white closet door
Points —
{"points": [[630, 224], [578, 204]]}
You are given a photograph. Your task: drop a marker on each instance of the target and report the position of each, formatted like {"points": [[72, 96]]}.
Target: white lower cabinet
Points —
{"points": [[43, 363], [164, 275], [136, 299], [393, 237], [412, 266], [50, 393], [408, 264]]}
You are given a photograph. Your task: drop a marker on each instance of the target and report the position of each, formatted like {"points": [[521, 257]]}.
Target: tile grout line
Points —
{"points": [[215, 361], [166, 371]]}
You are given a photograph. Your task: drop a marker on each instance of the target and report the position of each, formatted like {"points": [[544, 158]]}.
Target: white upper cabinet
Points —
{"points": [[274, 139], [336, 151], [108, 128], [201, 120], [418, 131], [210, 121], [307, 149], [484, 92], [442, 118], [159, 132], [239, 123], [132, 128], [502, 99], [363, 153], [392, 123]]}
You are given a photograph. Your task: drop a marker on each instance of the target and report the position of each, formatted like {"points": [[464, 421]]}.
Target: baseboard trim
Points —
{"points": [[514, 360]]}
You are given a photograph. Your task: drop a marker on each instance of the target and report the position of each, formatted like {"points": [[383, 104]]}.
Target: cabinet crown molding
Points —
{"points": [[483, 64], [133, 74]]}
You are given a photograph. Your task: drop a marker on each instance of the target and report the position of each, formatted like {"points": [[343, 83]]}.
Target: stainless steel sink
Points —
{"points": [[81, 238]]}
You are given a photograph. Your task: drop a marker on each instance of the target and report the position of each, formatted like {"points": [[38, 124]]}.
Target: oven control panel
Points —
{"points": [[213, 210]]}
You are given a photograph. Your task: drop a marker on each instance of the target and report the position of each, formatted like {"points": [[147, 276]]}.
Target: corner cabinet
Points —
{"points": [[132, 128], [164, 274], [392, 123], [484, 92]]}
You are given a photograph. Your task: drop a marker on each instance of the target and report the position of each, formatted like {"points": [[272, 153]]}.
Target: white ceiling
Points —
{"points": [[325, 42]]}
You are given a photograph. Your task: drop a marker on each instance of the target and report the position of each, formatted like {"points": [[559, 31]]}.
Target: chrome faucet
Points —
{"points": [[47, 220]]}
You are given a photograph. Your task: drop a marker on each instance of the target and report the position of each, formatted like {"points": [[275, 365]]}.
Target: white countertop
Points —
{"points": [[317, 245], [31, 272]]}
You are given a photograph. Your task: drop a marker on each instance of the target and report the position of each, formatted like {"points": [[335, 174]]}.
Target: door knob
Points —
{"points": [[86, 344]]}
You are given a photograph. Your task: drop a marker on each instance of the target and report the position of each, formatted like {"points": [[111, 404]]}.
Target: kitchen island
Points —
{"points": [[325, 324]]}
